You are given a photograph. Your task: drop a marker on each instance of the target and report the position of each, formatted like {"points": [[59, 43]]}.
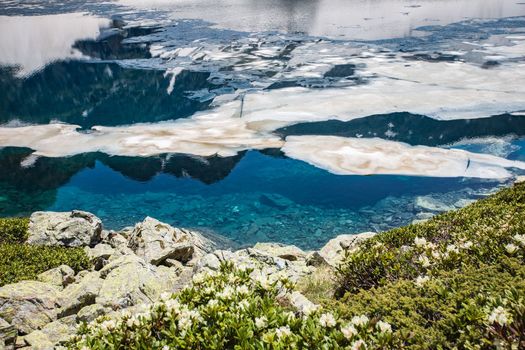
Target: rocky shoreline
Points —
{"points": [[131, 268]]}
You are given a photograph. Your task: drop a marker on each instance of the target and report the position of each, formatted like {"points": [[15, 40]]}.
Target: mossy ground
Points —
{"points": [[20, 261]]}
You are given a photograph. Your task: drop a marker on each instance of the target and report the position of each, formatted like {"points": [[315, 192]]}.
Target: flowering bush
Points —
{"points": [[456, 281], [481, 233], [234, 308], [472, 309]]}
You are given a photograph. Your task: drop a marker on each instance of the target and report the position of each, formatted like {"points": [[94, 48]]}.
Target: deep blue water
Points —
{"points": [[253, 197]]}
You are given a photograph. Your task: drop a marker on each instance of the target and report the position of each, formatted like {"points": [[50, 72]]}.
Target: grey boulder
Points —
{"points": [[29, 305], [68, 229]]}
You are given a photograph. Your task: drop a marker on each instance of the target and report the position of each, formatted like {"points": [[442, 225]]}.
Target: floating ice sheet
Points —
{"points": [[355, 156]]}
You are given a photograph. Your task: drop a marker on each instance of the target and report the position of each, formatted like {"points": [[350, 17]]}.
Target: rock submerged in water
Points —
{"points": [[133, 267]]}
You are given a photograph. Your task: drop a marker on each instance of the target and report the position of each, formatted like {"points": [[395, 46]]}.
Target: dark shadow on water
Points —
{"points": [[412, 128], [90, 94]]}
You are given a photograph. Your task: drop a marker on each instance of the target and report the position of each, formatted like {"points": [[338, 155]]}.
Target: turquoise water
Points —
{"points": [[120, 64], [253, 197]]}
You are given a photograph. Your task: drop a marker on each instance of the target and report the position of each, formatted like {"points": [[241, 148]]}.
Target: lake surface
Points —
{"points": [[288, 121]]}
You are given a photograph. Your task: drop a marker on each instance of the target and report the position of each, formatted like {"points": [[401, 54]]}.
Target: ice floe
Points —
{"points": [[352, 156], [205, 135]]}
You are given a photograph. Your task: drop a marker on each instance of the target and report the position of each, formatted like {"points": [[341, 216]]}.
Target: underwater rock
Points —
{"points": [[431, 204], [275, 201], [68, 229]]}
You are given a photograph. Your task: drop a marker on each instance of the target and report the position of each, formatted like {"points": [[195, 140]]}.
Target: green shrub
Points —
{"points": [[13, 230], [456, 281], [232, 309], [482, 233], [20, 261], [449, 310], [24, 262]]}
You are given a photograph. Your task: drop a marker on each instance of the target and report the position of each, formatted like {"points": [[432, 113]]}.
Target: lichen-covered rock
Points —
{"points": [[129, 280], [38, 340], [59, 276], [68, 229], [52, 333], [91, 312], [334, 250], [29, 305], [287, 252], [156, 241], [99, 254], [116, 240], [315, 259], [8, 335], [80, 294], [256, 259]]}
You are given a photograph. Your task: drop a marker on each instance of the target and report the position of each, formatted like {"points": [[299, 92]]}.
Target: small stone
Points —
{"points": [[287, 252], [91, 312], [333, 251], [116, 240], [315, 259], [301, 303], [52, 333], [210, 261], [520, 179], [38, 340], [99, 254], [174, 264], [80, 294], [156, 241], [8, 335], [59, 276], [182, 252]]}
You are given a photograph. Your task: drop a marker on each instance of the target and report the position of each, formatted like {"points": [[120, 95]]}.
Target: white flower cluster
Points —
{"points": [[499, 315], [228, 295], [520, 239], [327, 320], [512, 248], [422, 280], [430, 253]]}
